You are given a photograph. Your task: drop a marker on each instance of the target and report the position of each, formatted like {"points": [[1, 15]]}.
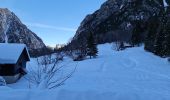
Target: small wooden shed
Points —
{"points": [[13, 59]]}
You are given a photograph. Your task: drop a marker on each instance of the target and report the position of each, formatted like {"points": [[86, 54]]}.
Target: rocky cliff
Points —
{"points": [[132, 21], [117, 19]]}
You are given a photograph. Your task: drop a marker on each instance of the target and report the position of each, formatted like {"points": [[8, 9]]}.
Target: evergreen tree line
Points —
{"points": [[88, 47], [82, 48], [157, 39]]}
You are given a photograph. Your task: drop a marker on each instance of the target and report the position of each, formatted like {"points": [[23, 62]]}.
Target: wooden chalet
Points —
{"points": [[13, 59]]}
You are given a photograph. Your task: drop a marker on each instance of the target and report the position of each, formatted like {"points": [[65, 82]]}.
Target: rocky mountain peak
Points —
{"points": [[4, 11], [17, 32], [117, 18]]}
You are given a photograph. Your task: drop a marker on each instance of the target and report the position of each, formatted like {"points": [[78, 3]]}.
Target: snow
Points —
{"points": [[121, 6], [132, 74], [5, 27], [6, 37], [10, 53], [128, 25], [165, 3]]}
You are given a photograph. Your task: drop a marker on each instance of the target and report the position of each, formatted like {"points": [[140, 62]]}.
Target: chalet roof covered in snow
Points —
{"points": [[10, 53]]}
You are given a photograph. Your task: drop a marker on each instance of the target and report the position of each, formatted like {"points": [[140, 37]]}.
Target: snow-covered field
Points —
{"points": [[132, 74]]}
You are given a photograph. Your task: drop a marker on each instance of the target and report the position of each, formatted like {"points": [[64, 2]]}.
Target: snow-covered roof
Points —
{"points": [[10, 52]]}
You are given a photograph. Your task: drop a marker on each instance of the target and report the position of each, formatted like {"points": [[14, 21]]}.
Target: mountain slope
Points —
{"points": [[131, 21], [17, 32], [117, 19]]}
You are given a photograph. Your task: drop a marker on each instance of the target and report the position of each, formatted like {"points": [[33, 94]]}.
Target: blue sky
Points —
{"points": [[55, 21]]}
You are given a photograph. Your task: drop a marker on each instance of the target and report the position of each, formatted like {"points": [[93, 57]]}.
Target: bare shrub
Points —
{"points": [[46, 75]]}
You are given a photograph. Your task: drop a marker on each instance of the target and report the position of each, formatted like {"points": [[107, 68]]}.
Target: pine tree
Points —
{"points": [[158, 46], [136, 34], [166, 42], [91, 46], [160, 36], [151, 34], [166, 45]]}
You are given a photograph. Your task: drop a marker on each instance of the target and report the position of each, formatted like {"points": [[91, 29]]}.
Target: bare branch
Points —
{"points": [[47, 68]]}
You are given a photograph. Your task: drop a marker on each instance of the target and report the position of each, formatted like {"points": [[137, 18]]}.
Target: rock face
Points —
{"points": [[17, 32], [117, 18]]}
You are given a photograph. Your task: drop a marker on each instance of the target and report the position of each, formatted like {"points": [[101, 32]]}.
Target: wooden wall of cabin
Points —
{"points": [[21, 63], [7, 70]]}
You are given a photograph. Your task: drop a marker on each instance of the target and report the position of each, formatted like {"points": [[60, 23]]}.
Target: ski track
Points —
{"points": [[140, 75]]}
